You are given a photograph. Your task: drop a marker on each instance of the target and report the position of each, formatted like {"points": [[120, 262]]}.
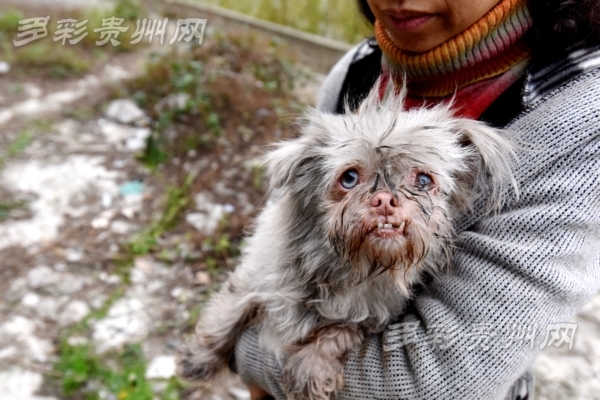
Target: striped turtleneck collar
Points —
{"points": [[489, 48]]}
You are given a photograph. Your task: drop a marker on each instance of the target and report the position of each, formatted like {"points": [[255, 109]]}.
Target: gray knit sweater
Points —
{"points": [[514, 274]]}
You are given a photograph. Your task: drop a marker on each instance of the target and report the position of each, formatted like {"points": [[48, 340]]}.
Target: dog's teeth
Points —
{"points": [[380, 225], [387, 226]]}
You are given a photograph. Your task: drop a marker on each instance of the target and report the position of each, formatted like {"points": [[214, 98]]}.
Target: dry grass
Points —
{"points": [[336, 19]]}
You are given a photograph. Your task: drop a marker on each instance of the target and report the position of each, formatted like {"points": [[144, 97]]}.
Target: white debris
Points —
{"points": [[107, 200], [124, 111], [17, 325], [125, 137], [74, 255], [32, 90], [70, 284], [50, 307], [161, 367], [74, 311], [172, 102], [120, 227], [20, 331], [102, 221], [8, 352], [30, 300], [4, 67], [203, 278], [20, 384], [56, 185], [205, 223], [42, 276], [127, 321], [77, 340]]}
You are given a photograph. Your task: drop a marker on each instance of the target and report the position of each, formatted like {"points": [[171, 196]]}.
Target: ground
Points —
{"points": [[118, 219]]}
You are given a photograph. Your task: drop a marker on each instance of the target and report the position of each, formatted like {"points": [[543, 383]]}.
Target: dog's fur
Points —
{"points": [[321, 271]]}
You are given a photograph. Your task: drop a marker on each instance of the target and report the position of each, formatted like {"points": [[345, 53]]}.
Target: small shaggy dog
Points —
{"points": [[362, 205]]}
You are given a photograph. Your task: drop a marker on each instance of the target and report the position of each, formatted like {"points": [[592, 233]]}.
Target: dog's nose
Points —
{"points": [[384, 203]]}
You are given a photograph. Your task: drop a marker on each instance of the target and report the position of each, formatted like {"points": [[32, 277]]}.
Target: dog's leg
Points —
{"points": [[315, 368], [223, 320]]}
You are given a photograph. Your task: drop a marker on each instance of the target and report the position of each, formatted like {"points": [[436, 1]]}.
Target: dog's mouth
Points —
{"points": [[388, 229]]}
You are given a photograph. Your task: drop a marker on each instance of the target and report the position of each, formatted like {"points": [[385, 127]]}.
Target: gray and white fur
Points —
{"points": [[362, 206]]}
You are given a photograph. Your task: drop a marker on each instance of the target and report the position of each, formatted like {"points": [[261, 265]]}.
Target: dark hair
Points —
{"points": [[557, 25]]}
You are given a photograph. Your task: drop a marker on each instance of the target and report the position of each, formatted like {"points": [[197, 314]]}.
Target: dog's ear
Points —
{"points": [[490, 170], [290, 161]]}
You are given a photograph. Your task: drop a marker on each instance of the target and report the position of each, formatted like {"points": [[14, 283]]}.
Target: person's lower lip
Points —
{"points": [[410, 23]]}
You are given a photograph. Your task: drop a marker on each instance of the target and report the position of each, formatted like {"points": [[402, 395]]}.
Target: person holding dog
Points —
{"points": [[532, 68]]}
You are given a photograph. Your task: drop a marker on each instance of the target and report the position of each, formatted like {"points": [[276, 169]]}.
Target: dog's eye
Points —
{"points": [[349, 179], [424, 181]]}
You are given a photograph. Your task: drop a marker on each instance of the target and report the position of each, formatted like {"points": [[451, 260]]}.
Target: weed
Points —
{"points": [[60, 62], [81, 369], [82, 372], [9, 21], [81, 114], [7, 206], [176, 202], [195, 96], [128, 10], [23, 140]]}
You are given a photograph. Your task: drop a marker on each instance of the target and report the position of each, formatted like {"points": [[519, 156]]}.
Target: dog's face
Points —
{"points": [[384, 185]]}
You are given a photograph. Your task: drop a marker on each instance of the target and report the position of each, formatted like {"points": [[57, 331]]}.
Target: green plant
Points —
{"points": [[177, 200], [23, 139], [61, 62], [79, 366], [9, 21], [7, 206]]}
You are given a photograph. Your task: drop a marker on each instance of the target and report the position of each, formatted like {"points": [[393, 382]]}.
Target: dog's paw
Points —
{"points": [[197, 363], [311, 377]]}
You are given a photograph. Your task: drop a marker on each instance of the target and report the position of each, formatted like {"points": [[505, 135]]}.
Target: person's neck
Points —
{"points": [[486, 50]]}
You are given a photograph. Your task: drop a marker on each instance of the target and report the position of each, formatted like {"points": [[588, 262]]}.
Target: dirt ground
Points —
{"points": [[73, 195]]}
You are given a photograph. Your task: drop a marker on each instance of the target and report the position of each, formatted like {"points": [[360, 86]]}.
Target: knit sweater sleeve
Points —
{"points": [[533, 265]]}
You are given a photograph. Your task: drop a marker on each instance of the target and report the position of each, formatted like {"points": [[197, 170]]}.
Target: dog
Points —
{"points": [[362, 207]]}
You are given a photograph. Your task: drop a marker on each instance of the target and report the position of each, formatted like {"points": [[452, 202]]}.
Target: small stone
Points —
{"points": [[77, 340], [73, 312], [8, 352], [102, 221], [4, 67], [20, 384], [33, 90], [126, 321], [172, 102], [203, 278], [49, 307], [107, 200], [61, 267], [70, 284], [18, 325], [124, 111], [206, 222], [145, 264], [42, 276], [120, 227], [161, 367], [30, 300], [176, 292], [138, 141], [74, 255]]}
